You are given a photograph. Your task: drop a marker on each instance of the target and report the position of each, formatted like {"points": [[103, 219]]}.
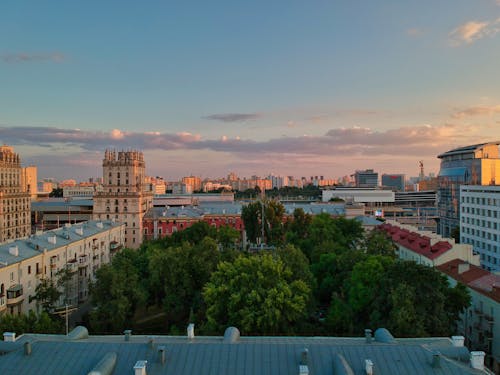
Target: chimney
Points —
{"points": [[190, 331], [140, 368], [99, 225], [9, 336], [303, 370], [127, 333], [368, 335], [79, 230], [162, 351], [14, 250], [304, 357], [477, 360], [457, 341], [436, 360], [463, 267], [27, 348], [369, 367]]}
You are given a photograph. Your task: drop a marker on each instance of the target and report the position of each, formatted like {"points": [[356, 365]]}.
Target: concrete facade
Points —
{"points": [[126, 196]]}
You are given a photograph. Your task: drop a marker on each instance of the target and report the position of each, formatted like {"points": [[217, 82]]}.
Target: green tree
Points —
{"points": [[46, 294], [273, 221], [256, 295], [117, 292], [377, 242]]}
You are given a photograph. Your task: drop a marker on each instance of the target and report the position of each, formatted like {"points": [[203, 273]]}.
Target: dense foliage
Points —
{"points": [[324, 276]]}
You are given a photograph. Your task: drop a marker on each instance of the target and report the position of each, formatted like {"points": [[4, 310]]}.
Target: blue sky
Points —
{"points": [[290, 87]]}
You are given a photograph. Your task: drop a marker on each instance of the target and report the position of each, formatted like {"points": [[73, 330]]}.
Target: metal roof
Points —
{"points": [[53, 354]]}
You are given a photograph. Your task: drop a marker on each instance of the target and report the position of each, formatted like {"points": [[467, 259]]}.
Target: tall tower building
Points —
{"points": [[15, 203], [471, 165], [125, 196], [29, 180]]}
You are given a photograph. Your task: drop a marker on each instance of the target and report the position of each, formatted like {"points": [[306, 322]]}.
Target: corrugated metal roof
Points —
{"points": [[209, 355]]}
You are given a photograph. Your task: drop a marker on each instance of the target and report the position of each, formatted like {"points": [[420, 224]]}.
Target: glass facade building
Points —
{"points": [[470, 165]]}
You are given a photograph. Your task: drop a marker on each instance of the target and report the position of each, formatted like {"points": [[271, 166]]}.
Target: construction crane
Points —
{"points": [[421, 165]]}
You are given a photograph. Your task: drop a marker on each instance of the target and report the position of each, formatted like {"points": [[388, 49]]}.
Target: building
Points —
{"points": [[480, 323], [125, 197], [369, 196], [80, 249], [480, 222], [15, 216], [471, 165], [366, 179], [395, 182], [193, 182], [29, 180], [80, 191], [233, 354], [426, 248], [53, 213]]}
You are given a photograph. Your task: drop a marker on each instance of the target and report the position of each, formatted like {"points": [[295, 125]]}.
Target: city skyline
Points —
{"points": [[300, 89]]}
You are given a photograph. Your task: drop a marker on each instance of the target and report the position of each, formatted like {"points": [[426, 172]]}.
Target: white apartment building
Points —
{"points": [[80, 248], [480, 222]]}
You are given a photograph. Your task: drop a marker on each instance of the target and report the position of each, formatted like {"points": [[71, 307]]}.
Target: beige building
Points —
{"points": [[29, 181], [80, 249], [15, 217], [126, 196]]}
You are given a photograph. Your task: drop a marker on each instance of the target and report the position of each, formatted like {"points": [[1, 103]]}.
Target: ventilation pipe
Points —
{"points": [[27, 348], [368, 335], [162, 351], [477, 360], [105, 366], [190, 331], [369, 367], [9, 336], [436, 360], [127, 333], [140, 368], [457, 341]]}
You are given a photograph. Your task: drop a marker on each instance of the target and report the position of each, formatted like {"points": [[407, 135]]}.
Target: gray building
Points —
{"points": [[394, 181], [366, 179], [79, 353]]}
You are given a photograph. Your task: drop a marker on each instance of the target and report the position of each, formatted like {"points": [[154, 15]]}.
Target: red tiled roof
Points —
{"points": [[474, 277], [415, 242]]}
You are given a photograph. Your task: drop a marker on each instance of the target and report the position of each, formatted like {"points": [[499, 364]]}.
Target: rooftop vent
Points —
{"points": [[27, 348], [99, 225], [79, 230], [304, 357], [368, 335], [190, 331], [368, 367], [78, 333], [14, 250], [436, 360], [9, 336], [383, 335], [127, 333], [105, 366], [162, 351], [52, 239], [140, 367], [231, 335], [303, 370], [477, 360], [457, 341]]}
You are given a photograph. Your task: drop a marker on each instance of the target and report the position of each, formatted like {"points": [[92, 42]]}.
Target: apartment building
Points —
{"points": [[480, 222], [480, 323], [15, 212], [125, 196], [79, 249]]}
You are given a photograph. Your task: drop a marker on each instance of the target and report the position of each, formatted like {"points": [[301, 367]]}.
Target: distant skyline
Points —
{"points": [[205, 88]]}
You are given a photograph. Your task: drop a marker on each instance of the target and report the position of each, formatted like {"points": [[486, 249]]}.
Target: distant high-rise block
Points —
{"points": [[125, 196], [394, 181], [366, 179], [15, 203]]}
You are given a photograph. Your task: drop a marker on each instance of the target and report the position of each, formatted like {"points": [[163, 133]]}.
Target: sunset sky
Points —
{"points": [[291, 87]]}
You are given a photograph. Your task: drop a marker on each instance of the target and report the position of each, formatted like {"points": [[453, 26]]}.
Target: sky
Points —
{"points": [[256, 87]]}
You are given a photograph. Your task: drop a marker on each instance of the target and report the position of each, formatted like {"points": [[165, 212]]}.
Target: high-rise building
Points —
{"points": [[471, 165], [394, 181], [366, 179], [125, 196], [29, 181], [15, 216]]}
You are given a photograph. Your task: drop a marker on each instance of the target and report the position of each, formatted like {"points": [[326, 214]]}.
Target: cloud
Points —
{"points": [[415, 140], [477, 111], [472, 31], [233, 117], [21, 57]]}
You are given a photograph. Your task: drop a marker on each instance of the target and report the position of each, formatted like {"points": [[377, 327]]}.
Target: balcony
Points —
{"points": [[15, 295], [3, 304], [72, 266], [114, 246], [83, 261]]}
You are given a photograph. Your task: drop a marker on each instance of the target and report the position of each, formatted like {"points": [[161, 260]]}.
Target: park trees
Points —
{"points": [[257, 294]]}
